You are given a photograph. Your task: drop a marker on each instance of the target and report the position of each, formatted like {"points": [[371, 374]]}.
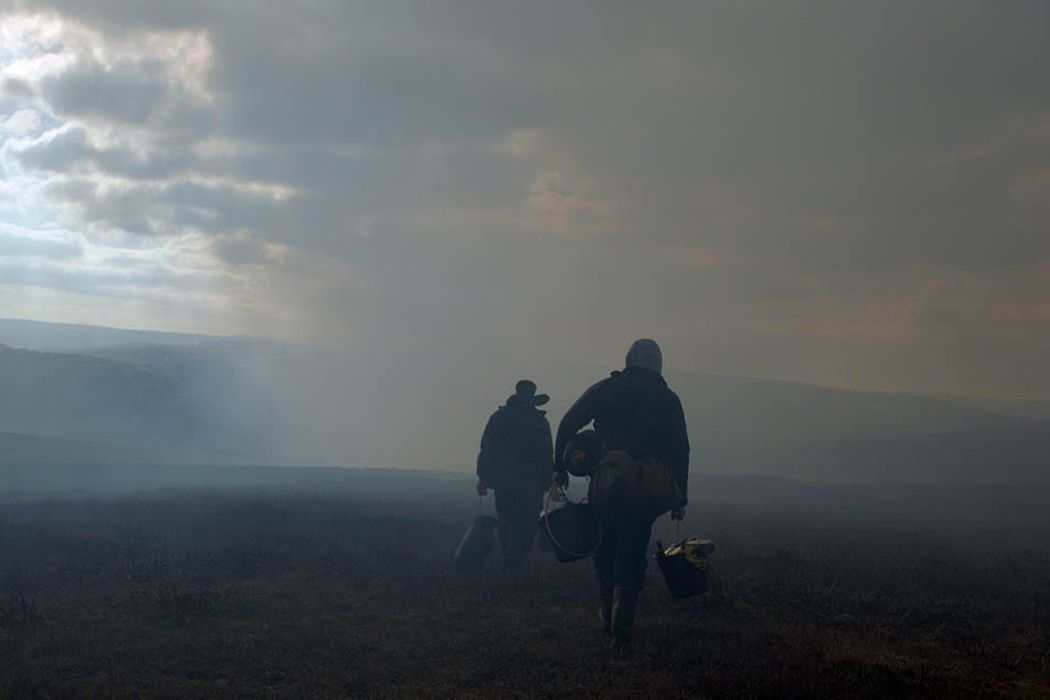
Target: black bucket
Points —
{"points": [[476, 544], [572, 529], [685, 567], [543, 540]]}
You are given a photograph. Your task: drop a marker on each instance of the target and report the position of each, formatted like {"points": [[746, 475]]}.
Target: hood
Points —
{"points": [[645, 353]]}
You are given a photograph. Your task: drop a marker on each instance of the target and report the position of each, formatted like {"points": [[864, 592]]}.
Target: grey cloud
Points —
{"points": [[12, 244], [71, 147], [126, 92], [17, 89], [171, 208], [93, 206], [144, 282], [58, 153], [240, 250]]}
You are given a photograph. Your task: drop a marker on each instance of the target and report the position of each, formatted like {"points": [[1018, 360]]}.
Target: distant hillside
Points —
{"points": [[269, 402], [736, 410], [182, 405], [38, 335], [1019, 408], [1016, 455], [22, 449]]}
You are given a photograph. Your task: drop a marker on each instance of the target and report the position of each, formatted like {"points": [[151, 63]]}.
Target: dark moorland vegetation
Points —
{"points": [[862, 593]]}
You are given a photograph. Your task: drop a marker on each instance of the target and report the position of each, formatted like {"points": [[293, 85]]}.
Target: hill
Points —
{"points": [[184, 405], [39, 335], [751, 411], [37, 450], [267, 402]]}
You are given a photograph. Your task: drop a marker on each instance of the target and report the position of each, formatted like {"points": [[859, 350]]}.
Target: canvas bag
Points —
{"points": [[476, 544], [648, 484]]}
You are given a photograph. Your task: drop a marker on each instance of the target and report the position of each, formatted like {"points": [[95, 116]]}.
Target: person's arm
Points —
{"points": [[541, 451], [678, 439], [548, 444], [580, 414], [485, 455]]}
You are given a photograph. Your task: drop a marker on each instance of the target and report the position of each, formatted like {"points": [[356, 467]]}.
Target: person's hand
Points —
{"points": [[678, 513], [560, 479], [482, 488]]}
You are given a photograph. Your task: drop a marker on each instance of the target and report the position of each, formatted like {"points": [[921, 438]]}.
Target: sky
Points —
{"points": [[848, 193]]}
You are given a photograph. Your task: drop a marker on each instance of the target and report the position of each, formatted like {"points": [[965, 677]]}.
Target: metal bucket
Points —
{"points": [[572, 528], [685, 567]]}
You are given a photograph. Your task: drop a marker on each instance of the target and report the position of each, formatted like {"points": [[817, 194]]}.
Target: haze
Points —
{"points": [[451, 197]]}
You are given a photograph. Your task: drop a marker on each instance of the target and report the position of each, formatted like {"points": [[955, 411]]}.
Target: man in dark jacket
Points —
{"points": [[515, 460], [633, 411]]}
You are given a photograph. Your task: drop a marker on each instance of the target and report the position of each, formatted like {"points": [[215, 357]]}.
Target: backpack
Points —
{"points": [[646, 484]]}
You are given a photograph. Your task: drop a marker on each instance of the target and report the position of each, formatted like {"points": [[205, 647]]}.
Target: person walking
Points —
{"points": [[638, 419], [516, 462]]}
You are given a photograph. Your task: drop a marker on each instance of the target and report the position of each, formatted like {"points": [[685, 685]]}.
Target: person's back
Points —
{"points": [[516, 447], [637, 413], [634, 411], [516, 461]]}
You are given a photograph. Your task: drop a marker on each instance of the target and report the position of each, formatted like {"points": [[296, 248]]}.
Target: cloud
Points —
{"points": [[742, 179], [16, 88], [69, 148], [123, 92], [241, 249], [22, 243], [23, 122]]}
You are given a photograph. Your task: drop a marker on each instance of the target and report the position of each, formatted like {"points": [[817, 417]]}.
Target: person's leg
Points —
{"points": [[629, 577], [605, 569], [523, 511], [632, 552], [503, 509]]}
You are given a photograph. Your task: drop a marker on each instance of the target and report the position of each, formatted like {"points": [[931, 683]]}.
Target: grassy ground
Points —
{"points": [[237, 593]]}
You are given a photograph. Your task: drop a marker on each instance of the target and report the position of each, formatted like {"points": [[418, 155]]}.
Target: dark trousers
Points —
{"points": [[518, 513], [622, 557]]}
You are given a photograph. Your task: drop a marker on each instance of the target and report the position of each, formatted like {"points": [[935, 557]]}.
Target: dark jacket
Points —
{"points": [[635, 411], [516, 448]]}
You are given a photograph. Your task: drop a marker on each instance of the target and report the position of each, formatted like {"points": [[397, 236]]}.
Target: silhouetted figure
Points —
{"points": [[635, 412], [516, 461]]}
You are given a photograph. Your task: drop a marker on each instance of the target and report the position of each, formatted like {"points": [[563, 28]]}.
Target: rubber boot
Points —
{"points": [[605, 610], [625, 602]]}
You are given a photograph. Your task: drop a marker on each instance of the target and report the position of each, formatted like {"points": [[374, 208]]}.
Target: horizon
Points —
{"points": [[670, 371]]}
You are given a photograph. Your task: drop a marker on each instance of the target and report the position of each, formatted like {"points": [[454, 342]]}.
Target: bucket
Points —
{"points": [[572, 528], [476, 544], [543, 540], [685, 567]]}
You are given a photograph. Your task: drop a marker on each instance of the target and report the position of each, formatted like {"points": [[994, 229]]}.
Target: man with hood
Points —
{"points": [[634, 411], [516, 461]]}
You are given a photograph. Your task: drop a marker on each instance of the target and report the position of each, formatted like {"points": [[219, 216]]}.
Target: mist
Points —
{"points": [[269, 271], [181, 399]]}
